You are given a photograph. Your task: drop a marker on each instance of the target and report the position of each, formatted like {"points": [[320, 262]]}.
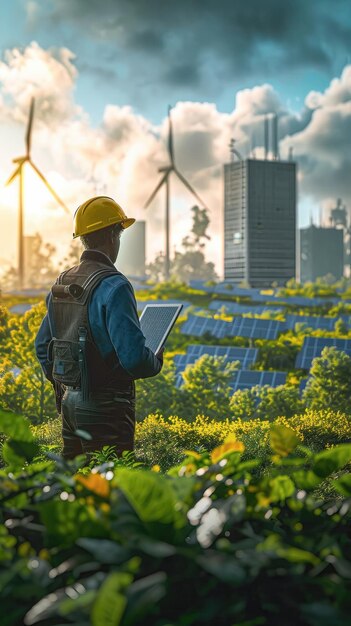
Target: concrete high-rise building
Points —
{"points": [[321, 253], [260, 222], [132, 253]]}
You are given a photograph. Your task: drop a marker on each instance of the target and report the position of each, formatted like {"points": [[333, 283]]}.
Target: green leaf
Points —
{"points": [[15, 451], [306, 479], [110, 602], [282, 487], [342, 567], [154, 548], [329, 461], [149, 493], [104, 551], [274, 544], [222, 566], [283, 439], [73, 605], [143, 596], [15, 426], [343, 485]]}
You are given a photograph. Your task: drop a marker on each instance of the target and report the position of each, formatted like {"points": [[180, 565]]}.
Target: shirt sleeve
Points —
{"points": [[41, 343], [127, 338]]}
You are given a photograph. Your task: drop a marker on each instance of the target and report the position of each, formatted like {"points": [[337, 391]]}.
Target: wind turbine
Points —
{"points": [[19, 171], [167, 170]]}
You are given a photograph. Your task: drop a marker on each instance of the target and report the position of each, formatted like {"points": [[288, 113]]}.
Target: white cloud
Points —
{"points": [[47, 75], [121, 156]]}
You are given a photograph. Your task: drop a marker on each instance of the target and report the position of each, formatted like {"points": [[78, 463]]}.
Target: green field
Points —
{"points": [[234, 510]]}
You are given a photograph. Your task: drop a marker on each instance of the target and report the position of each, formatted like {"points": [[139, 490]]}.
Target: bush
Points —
{"points": [[329, 386], [265, 402], [23, 386], [213, 542]]}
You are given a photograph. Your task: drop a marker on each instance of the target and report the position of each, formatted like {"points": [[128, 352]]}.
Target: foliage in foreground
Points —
{"points": [[216, 541]]}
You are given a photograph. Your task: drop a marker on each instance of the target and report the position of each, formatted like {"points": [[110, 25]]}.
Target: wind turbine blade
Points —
{"points": [[191, 189], [170, 137], [47, 184], [14, 174], [29, 127], [163, 180]]}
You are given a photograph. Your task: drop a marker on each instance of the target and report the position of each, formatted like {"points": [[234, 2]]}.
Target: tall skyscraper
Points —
{"points": [[131, 256], [322, 253], [260, 222]]}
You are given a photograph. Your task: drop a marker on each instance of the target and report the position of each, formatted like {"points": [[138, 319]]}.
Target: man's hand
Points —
{"points": [[160, 355]]}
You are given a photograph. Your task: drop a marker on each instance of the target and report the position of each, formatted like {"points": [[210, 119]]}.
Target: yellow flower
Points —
{"points": [[230, 445], [95, 483]]}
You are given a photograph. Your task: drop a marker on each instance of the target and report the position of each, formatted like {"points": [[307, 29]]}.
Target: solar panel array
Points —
{"points": [[313, 346], [245, 379], [245, 356], [235, 308], [256, 328], [227, 287], [198, 326], [295, 301], [250, 328], [325, 323]]}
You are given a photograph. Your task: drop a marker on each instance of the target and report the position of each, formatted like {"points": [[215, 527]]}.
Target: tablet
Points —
{"points": [[157, 321]]}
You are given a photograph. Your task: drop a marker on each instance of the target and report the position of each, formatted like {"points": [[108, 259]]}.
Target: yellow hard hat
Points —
{"points": [[97, 213]]}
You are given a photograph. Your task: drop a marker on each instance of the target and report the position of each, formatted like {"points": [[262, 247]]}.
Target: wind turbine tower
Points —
{"points": [[166, 171], [19, 171]]}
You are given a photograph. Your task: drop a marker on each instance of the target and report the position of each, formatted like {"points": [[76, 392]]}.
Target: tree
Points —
{"points": [[206, 389], [42, 271], [73, 255], [190, 263], [329, 385], [341, 327], [156, 269]]}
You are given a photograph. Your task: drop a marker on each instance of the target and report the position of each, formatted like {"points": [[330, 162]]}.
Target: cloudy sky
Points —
{"points": [[103, 74]]}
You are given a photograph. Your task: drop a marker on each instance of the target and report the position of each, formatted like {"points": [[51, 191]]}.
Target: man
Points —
{"points": [[90, 344]]}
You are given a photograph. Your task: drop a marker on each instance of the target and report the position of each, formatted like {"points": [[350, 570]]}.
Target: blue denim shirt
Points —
{"points": [[114, 325]]}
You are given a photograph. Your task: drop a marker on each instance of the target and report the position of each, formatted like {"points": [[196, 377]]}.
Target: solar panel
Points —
{"points": [[325, 323], [295, 300], [198, 326], [245, 379], [256, 328], [251, 328], [245, 356], [313, 346], [241, 309]]}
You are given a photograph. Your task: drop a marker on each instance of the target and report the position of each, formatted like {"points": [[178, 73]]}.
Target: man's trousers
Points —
{"points": [[108, 416]]}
